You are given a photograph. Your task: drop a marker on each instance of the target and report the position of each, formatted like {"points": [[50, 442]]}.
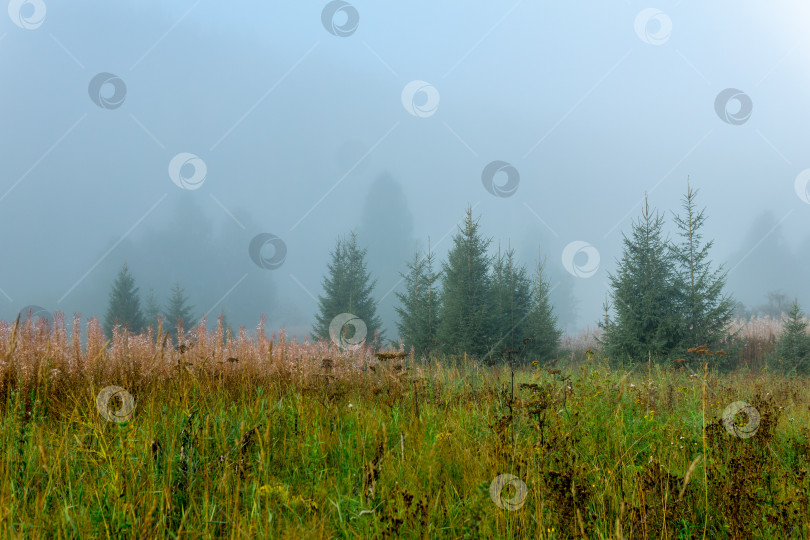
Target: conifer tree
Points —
{"points": [[465, 315], [124, 307], [512, 301], [417, 310], [793, 344], [643, 295], [348, 288], [542, 322], [705, 312], [178, 311]]}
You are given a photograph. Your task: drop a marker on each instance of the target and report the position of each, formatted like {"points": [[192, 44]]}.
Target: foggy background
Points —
{"points": [[306, 135]]}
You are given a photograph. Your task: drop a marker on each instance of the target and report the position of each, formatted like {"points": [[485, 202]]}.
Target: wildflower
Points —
{"points": [[351, 406]]}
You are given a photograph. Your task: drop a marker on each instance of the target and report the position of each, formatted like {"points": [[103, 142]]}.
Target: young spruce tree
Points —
{"points": [[793, 344], [465, 315], [542, 322], [512, 302], [643, 295], [347, 288], [418, 305], [124, 307], [705, 312], [178, 311]]}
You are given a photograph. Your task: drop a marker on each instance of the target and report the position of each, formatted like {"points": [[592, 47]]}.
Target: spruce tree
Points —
{"points": [[348, 288], [542, 322], [793, 344], [643, 295], [705, 312], [417, 310], [124, 307], [178, 311], [512, 302], [465, 315]]}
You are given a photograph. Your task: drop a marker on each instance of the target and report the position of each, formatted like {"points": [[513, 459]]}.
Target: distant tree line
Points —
{"points": [[666, 298], [125, 311], [473, 303]]}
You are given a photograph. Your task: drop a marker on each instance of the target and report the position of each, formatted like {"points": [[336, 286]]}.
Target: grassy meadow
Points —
{"points": [[249, 437]]}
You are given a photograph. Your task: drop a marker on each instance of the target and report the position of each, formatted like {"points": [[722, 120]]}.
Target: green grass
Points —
{"points": [[405, 452]]}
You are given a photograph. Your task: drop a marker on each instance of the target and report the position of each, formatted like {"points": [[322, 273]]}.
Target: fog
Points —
{"points": [[307, 135]]}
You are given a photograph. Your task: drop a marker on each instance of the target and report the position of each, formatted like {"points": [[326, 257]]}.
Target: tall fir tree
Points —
{"points": [[643, 295], [178, 311], [705, 312], [418, 303], [465, 315], [348, 288], [793, 344], [511, 301], [124, 307], [542, 321]]}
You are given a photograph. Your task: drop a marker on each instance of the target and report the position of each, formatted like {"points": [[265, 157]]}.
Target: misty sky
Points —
{"points": [[306, 135]]}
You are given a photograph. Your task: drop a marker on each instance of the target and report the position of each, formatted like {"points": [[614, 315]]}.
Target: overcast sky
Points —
{"points": [[297, 119]]}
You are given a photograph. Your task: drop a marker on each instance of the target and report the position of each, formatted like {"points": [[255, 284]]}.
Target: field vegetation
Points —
{"points": [[249, 436]]}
